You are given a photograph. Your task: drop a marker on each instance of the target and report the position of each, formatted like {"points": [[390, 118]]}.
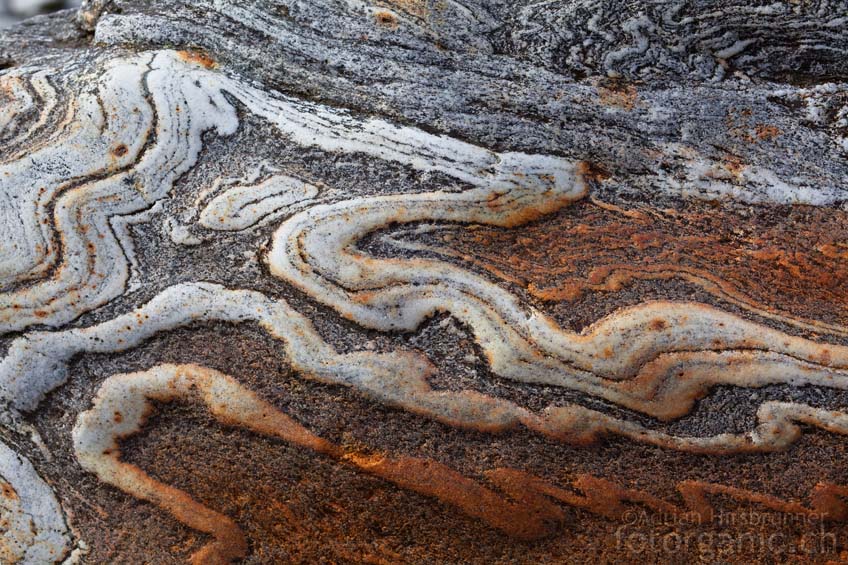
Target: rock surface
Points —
{"points": [[424, 281]]}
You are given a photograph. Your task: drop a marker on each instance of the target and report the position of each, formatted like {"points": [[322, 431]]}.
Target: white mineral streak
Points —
{"points": [[97, 432], [65, 194], [16, 100], [21, 102], [315, 250], [312, 125], [39, 363], [71, 190], [120, 149], [63, 181], [633, 27], [32, 527], [406, 239], [242, 206], [709, 180], [668, 38], [45, 200], [827, 104]]}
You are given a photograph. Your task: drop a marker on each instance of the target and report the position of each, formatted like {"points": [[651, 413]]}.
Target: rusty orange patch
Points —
{"points": [[766, 133], [386, 19], [418, 8], [7, 491], [618, 96], [198, 58], [780, 261]]}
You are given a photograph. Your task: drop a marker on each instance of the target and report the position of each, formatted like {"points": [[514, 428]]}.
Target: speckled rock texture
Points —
{"points": [[424, 281]]}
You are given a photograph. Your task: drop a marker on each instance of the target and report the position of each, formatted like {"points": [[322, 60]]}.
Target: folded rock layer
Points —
{"points": [[424, 281]]}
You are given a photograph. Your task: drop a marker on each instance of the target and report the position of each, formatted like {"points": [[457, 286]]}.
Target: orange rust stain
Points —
{"points": [[734, 165], [658, 324], [531, 515], [525, 515], [530, 214], [7, 491], [517, 503], [386, 19], [198, 58], [418, 8], [765, 132], [120, 150], [618, 95], [739, 126], [774, 259], [592, 171]]}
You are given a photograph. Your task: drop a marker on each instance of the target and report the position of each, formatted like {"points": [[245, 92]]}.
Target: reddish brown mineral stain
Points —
{"points": [[418, 8], [766, 132], [8, 492], [785, 261], [198, 58], [617, 95], [386, 19]]}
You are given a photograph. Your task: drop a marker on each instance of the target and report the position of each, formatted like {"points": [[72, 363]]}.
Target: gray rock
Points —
{"points": [[423, 281]]}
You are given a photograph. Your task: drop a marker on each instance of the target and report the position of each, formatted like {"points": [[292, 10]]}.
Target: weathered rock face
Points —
{"points": [[424, 281]]}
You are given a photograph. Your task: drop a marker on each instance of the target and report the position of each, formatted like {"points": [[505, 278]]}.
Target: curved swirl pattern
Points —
{"points": [[127, 139]]}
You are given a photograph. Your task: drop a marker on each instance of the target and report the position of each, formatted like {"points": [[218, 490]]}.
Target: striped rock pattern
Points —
{"points": [[423, 281]]}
